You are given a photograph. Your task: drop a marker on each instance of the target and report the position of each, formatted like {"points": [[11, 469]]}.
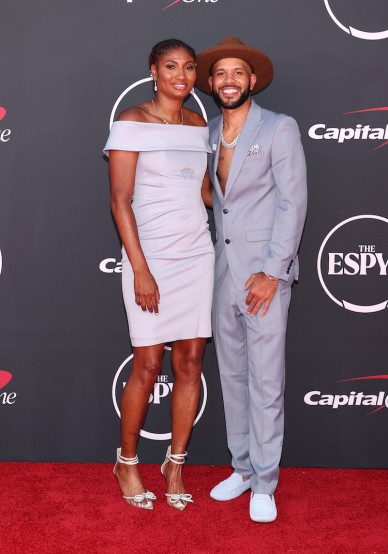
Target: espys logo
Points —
{"points": [[320, 131], [353, 398], [175, 2], [366, 35], [141, 82], [6, 398], [5, 134], [158, 415], [352, 264]]}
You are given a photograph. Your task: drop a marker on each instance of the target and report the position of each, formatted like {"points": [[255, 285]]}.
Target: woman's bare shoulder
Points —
{"points": [[138, 113], [193, 118]]}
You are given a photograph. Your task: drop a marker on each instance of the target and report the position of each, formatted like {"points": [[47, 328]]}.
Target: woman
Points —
{"points": [[158, 154]]}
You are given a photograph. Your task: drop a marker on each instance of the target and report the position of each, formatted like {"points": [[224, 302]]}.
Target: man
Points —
{"points": [[258, 171]]}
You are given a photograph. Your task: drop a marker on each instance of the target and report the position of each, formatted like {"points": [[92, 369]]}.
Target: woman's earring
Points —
{"points": [[155, 86]]}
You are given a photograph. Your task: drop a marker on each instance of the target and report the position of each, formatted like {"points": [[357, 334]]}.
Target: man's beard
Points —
{"points": [[232, 105]]}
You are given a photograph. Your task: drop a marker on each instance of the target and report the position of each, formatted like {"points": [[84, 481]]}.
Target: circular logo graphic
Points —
{"points": [[378, 35], [353, 262], [141, 82], [158, 414]]}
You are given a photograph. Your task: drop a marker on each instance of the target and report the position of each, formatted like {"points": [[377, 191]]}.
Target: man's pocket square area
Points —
{"points": [[255, 150]]}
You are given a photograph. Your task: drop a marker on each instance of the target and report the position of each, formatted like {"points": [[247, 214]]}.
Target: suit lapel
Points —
{"points": [[249, 131], [214, 140]]}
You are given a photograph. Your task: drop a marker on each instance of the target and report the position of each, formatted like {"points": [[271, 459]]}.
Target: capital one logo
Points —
{"points": [[157, 422], [366, 35], [320, 131], [378, 401], [189, 2], [5, 134], [174, 2], [352, 264], [110, 265], [5, 397]]}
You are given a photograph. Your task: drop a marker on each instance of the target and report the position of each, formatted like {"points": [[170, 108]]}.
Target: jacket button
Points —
{"points": [[227, 241], [225, 211]]}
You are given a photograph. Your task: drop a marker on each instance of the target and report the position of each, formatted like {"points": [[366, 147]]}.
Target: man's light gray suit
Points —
{"points": [[259, 222]]}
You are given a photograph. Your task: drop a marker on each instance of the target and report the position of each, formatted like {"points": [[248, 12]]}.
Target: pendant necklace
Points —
{"points": [[162, 118]]}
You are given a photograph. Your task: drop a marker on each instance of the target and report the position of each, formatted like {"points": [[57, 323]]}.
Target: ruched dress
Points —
{"points": [[173, 229]]}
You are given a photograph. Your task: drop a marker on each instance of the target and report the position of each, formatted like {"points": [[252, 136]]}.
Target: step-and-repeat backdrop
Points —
{"points": [[66, 66]]}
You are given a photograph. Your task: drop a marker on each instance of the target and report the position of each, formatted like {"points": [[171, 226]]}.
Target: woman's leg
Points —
{"points": [[186, 358], [147, 362]]}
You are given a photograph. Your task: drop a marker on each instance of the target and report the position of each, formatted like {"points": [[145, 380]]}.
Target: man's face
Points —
{"points": [[231, 82]]}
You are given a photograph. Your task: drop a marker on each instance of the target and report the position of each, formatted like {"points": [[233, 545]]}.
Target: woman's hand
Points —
{"points": [[122, 170], [146, 291]]}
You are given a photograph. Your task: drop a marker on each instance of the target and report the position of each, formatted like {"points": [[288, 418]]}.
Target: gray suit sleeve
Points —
{"points": [[289, 172]]}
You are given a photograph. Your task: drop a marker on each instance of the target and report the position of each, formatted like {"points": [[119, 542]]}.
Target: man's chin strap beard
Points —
{"points": [[233, 105]]}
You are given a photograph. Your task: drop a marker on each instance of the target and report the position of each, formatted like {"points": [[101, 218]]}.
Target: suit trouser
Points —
{"points": [[250, 352]]}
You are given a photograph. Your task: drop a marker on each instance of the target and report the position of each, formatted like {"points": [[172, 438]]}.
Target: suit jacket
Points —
{"points": [[259, 220]]}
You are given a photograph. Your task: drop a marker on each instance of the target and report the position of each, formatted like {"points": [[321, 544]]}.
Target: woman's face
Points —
{"points": [[175, 73]]}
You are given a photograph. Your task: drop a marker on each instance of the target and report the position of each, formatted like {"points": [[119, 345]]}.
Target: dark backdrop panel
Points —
{"points": [[63, 328]]}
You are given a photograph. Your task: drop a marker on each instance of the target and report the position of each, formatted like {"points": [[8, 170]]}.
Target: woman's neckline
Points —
{"points": [[162, 124]]}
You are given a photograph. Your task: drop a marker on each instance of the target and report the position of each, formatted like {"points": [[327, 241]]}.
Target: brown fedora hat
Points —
{"points": [[232, 47]]}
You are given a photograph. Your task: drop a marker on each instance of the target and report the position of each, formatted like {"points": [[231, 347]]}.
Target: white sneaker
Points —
{"points": [[231, 488], [262, 508]]}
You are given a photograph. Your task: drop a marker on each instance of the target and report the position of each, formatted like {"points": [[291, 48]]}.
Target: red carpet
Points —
{"points": [[76, 508]]}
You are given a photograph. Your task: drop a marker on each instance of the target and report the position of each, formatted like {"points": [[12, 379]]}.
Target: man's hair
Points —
{"points": [[161, 48]]}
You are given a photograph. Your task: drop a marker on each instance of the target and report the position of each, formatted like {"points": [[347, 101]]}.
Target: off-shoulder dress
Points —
{"points": [[173, 229]]}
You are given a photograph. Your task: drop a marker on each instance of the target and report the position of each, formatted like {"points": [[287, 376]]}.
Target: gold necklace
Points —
{"points": [[162, 118]]}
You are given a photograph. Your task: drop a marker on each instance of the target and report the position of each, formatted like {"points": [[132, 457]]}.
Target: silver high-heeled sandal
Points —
{"points": [[177, 501], [136, 500]]}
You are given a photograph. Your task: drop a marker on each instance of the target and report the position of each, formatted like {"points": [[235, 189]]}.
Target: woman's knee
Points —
{"points": [[189, 366], [147, 369]]}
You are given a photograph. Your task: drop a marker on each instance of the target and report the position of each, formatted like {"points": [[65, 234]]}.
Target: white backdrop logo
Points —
{"points": [[110, 265], [352, 264], [377, 401], [175, 2], [377, 35], [321, 131], [141, 82], [158, 415], [5, 134], [6, 398]]}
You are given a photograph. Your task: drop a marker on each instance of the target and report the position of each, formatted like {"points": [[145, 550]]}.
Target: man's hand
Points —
{"points": [[146, 291], [261, 292]]}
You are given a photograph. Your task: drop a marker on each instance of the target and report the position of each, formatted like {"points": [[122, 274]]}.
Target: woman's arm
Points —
{"points": [[122, 169], [206, 190]]}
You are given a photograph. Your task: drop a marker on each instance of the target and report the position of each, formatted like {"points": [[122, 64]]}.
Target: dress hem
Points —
{"points": [[161, 340]]}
